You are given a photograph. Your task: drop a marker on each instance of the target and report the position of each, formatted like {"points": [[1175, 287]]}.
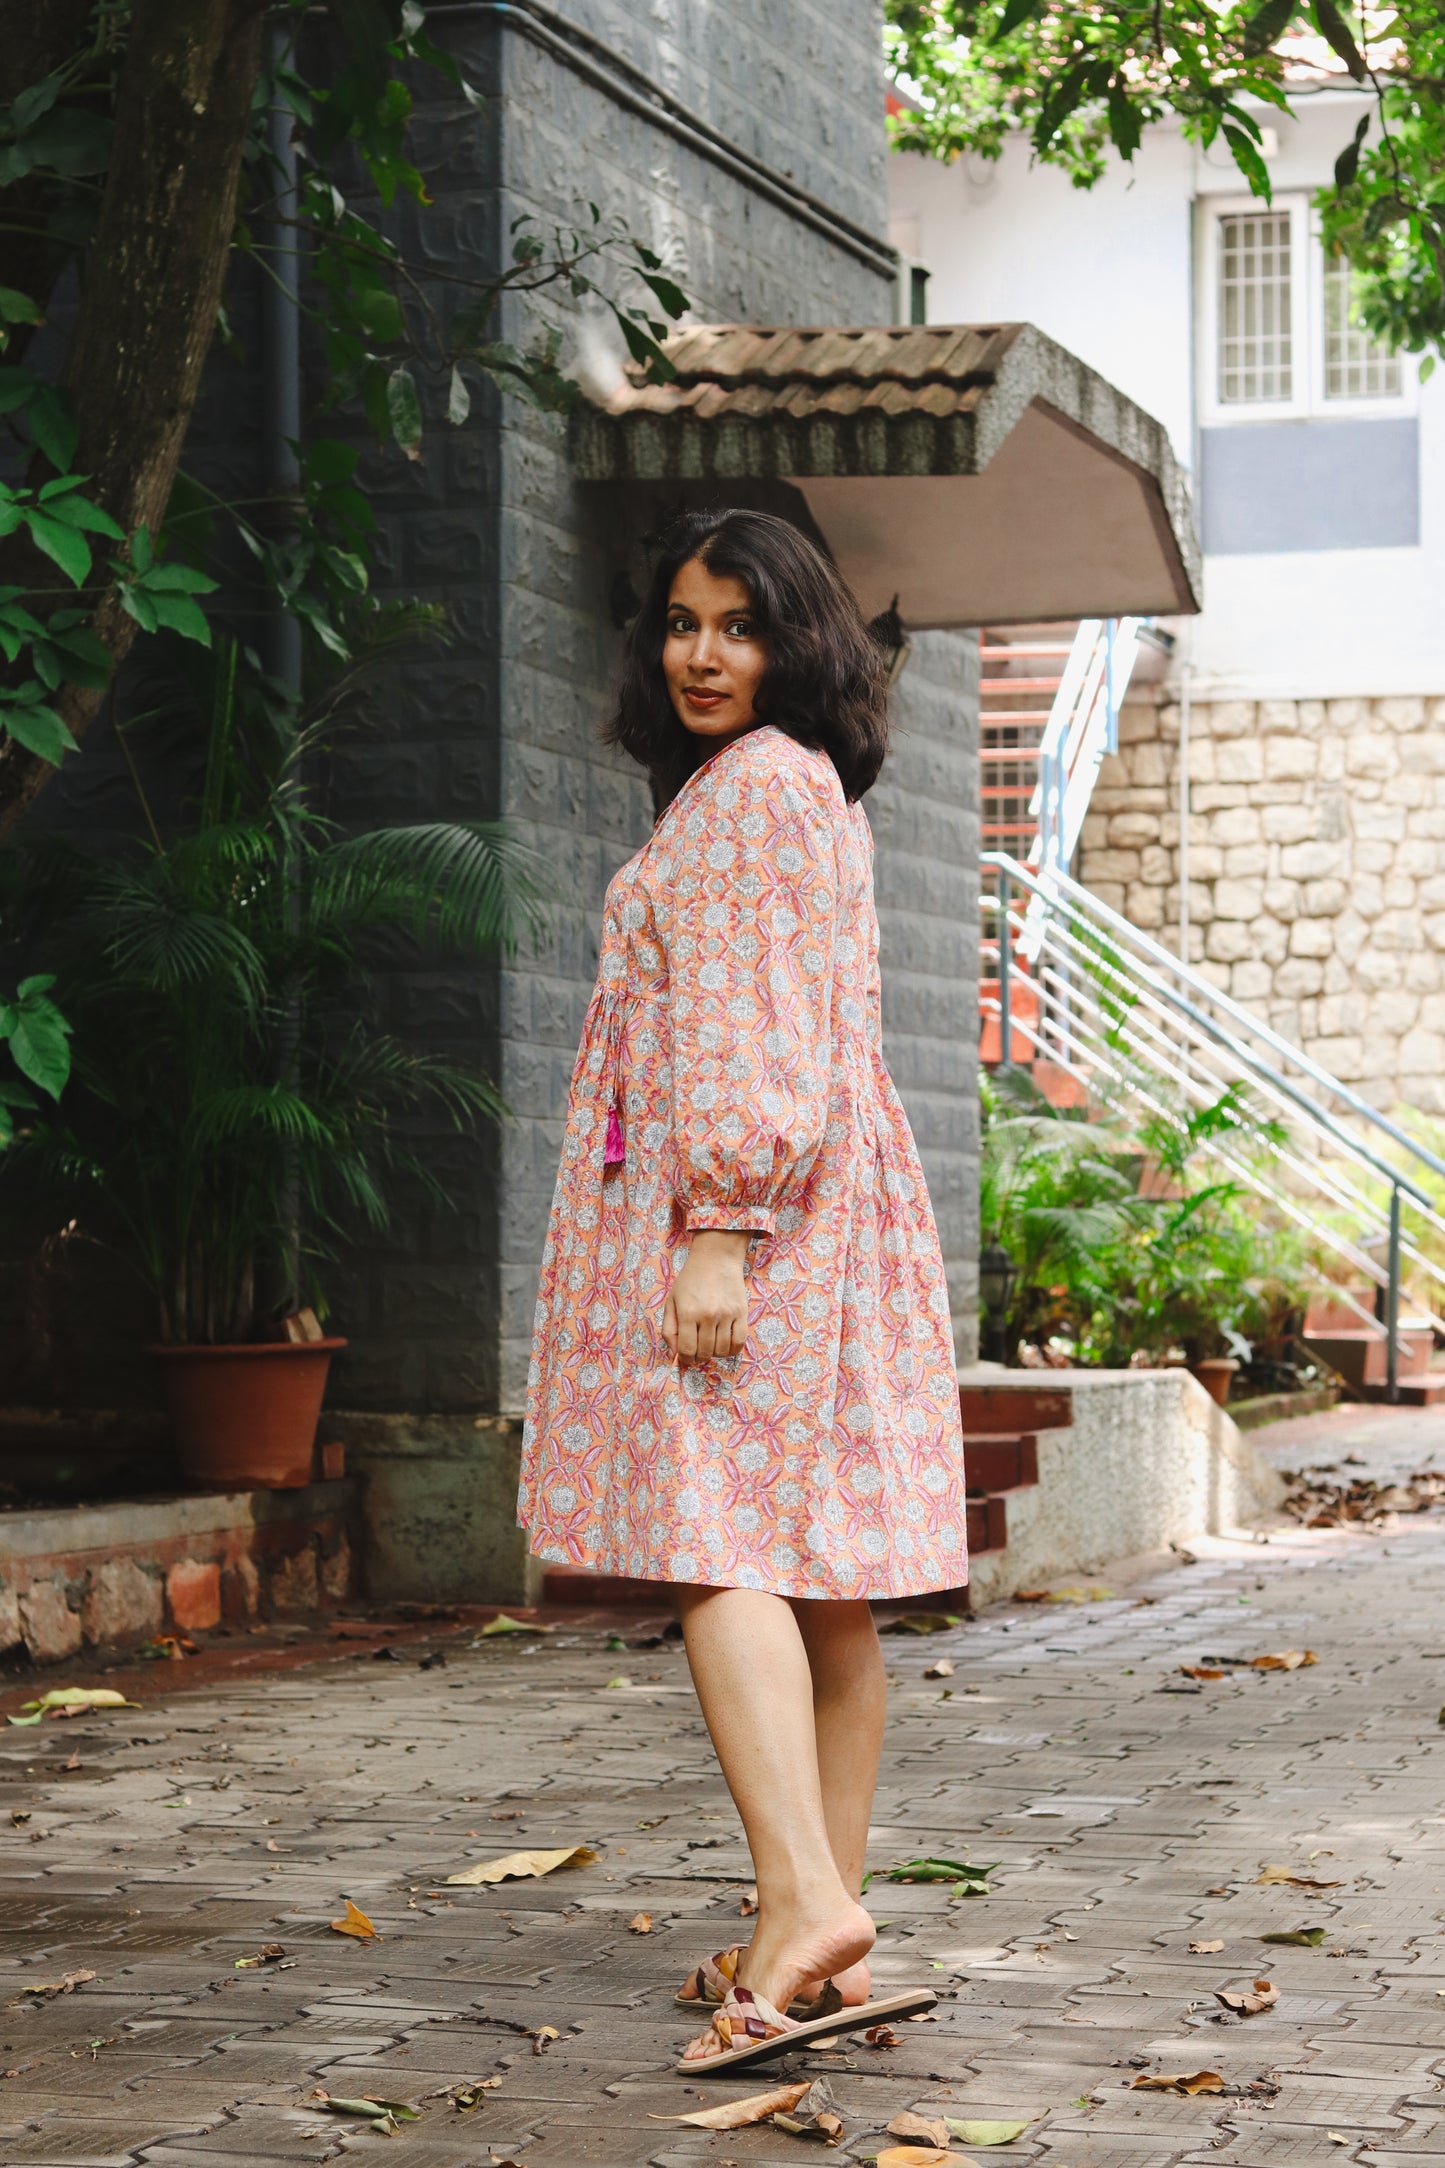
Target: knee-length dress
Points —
{"points": [[734, 1037]]}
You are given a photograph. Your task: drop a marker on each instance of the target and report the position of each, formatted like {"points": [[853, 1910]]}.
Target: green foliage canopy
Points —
{"points": [[1082, 82]]}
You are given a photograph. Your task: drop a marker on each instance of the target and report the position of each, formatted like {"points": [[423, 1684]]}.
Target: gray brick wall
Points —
{"points": [[925, 820], [504, 721]]}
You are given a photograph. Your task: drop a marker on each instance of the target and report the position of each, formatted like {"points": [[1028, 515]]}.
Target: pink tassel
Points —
{"points": [[615, 1151]]}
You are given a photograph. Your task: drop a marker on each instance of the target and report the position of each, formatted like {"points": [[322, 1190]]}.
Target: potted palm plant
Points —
{"points": [[236, 1109]]}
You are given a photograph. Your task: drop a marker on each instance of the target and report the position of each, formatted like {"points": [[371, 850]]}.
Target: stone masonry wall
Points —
{"points": [[1317, 870]]}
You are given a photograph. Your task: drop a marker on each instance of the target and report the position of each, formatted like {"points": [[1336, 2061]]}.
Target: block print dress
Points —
{"points": [[731, 1075]]}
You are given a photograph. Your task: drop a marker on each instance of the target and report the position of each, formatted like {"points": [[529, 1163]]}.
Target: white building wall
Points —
{"points": [[1114, 273]]}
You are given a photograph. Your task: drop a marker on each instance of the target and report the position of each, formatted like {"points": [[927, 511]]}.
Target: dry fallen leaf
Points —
{"points": [[920, 2156], [270, 1953], [1284, 1660], [735, 2114], [943, 1669], [43, 1990], [1245, 2004], [1296, 1881], [1191, 2082], [1202, 1671], [918, 2129], [1031, 1595], [470, 2097], [814, 2116], [1204, 1949], [385, 2116], [355, 1922], [1336, 2137], [175, 1648], [640, 1923], [985, 2133], [541, 2036], [518, 1866], [881, 2036]]}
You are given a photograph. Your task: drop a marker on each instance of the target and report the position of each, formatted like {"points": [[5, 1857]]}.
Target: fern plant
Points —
{"points": [[236, 1108]]}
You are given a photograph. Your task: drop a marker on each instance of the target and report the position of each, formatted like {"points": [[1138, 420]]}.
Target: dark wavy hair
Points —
{"points": [[826, 682]]}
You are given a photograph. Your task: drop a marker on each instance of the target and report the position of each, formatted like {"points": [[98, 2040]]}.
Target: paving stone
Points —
{"points": [[1335, 1770]]}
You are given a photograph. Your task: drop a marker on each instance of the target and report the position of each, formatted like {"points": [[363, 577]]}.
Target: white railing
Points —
{"points": [[1083, 726], [1122, 1014]]}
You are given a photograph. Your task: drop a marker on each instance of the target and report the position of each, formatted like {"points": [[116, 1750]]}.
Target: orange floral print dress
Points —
{"points": [[734, 1039]]}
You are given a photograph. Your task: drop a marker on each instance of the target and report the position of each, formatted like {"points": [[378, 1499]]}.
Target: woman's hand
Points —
{"points": [[707, 1308]]}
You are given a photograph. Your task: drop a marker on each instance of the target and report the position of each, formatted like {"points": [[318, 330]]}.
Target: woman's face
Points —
{"points": [[713, 656]]}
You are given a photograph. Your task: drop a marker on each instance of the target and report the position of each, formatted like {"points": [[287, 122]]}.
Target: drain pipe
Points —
{"points": [[281, 360], [1186, 690], [281, 488]]}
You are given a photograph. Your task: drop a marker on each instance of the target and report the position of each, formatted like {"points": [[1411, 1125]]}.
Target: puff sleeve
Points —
{"points": [[749, 942]]}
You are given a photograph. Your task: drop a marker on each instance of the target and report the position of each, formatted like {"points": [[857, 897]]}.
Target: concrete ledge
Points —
{"points": [[114, 1576], [1148, 1461], [1279, 1407], [439, 1506]]}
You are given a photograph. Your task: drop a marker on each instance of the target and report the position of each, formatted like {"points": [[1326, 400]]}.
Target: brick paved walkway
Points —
{"points": [[1130, 1815]]}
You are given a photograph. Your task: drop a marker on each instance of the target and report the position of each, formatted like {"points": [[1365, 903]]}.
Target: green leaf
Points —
{"points": [[40, 1046], [985, 2133], [1126, 122], [17, 388], [459, 399], [73, 510], [1338, 36], [137, 604], [178, 579], [1305, 1938], [1248, 160], [404, 411], [178, 613], [1427, 368], [1015, 13], [18, 308], [142, 549], [38, 728], [62, 545], [1347, 165], [1267, 24], [671, 295]]}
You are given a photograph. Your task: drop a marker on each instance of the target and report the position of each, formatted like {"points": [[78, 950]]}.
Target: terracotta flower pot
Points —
{"points": [[246, 1416], [1214, 1374]]}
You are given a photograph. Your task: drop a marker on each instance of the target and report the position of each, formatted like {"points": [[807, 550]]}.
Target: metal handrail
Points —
{"points": [[1214, 1033], [1158, 955]]}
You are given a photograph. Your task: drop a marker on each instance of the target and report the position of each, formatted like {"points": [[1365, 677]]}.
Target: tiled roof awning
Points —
{"points": [[982, 473]]}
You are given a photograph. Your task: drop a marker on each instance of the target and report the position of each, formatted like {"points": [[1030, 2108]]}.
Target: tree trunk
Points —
{"points": [[152, 287]]}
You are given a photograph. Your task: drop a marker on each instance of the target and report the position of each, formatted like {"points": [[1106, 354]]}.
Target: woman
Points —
{"points": [[743, 1378]]}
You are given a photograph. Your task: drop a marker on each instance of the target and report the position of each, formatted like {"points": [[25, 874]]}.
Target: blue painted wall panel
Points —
{"points": [[1310, 485]]}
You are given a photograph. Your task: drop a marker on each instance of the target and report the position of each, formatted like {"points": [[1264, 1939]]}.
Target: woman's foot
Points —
{"points": [[795, 1951], [854, 1984]]}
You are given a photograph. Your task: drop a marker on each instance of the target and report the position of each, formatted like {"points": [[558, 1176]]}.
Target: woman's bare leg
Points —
{"points": [[850, 1691], [751, 1670]]}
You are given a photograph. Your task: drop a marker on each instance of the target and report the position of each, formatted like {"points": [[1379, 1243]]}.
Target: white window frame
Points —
{"points": [[1307, 400]]}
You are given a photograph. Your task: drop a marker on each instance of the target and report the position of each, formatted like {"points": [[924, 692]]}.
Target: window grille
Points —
{"points": [[1256, 360], [1356, 366]]}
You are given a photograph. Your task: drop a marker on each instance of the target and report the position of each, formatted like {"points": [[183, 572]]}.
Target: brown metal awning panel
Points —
{"points": [[982, 472]]}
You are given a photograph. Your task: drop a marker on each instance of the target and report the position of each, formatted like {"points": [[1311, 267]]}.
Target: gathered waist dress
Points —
{"points": [[731, 1075]]}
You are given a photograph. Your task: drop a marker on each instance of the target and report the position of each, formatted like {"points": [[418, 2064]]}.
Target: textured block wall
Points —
{"points": [[801, 87]]}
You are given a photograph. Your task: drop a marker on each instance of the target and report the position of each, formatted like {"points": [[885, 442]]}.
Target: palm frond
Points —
{"points": [[472, 885]]}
